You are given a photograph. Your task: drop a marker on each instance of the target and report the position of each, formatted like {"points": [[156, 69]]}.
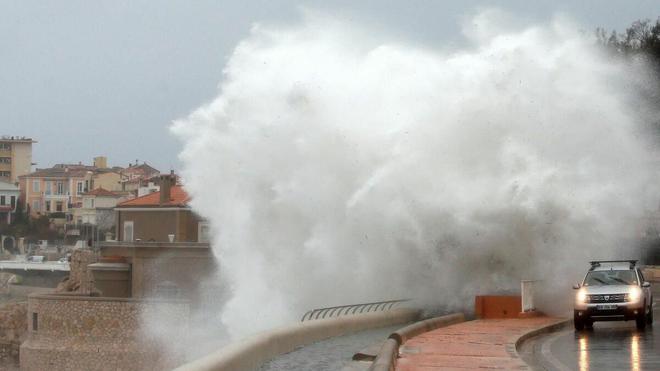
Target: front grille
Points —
{"points": [[608, 298]]}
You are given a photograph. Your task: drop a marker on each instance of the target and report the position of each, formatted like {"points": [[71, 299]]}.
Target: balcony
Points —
{"points": [[55, 196]]}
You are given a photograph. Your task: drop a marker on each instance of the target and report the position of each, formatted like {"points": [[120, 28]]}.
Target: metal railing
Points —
{"points": [[343, 310]]}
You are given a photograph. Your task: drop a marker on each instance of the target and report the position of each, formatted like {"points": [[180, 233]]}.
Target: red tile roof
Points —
{"points": [[101, 192], [178, 198]]}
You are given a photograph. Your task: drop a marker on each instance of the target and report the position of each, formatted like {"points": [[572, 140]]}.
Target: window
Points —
{"points": [[91, 203], [47, 203], [641, 276], [59, 205], [5, 160], [80, 188], [128, 231], [86, 185], [48, 188], [35, 321], [35, 185], [36, 205], [5, 146], [203, 230], [60, 188], [5, 174], [611, 277], [13, 202], [2, 200]]}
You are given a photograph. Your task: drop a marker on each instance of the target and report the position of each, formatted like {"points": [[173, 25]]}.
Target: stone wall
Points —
{"points": [[80, 278], [13, 330], [74, 332], [155, 265]]}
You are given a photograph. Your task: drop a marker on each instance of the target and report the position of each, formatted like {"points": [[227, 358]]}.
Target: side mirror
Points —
{"points": [[576, 286], [646, 284]]}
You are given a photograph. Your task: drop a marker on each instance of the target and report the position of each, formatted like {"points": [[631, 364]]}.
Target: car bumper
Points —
{"points": [[621, 311]]}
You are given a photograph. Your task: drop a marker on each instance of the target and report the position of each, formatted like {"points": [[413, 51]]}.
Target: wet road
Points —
{"points": [[609, 346]]}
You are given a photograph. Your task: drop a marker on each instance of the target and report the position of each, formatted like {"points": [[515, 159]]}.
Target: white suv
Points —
{"points": [[613, 290]]}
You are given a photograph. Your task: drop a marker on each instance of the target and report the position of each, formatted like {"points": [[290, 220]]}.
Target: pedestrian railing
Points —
{"points": [[343, 310]]}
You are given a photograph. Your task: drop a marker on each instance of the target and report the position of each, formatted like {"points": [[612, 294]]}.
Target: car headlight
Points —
{"points": [[581, 296], [634, 294]]}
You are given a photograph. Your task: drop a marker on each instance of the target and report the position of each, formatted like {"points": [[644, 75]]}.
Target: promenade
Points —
{"points": [[472, 345]]}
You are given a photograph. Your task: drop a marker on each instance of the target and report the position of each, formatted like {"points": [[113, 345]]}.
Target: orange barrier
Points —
{"points": [[492, 306]]}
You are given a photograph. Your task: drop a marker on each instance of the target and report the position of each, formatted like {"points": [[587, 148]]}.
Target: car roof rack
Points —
{"points": [[596, 263]]}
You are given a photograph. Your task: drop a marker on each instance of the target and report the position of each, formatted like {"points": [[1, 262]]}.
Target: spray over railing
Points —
{"points": [[343, 310]]}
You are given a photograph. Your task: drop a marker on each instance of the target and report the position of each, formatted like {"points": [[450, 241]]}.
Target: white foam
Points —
{"points": [[336, 167]]}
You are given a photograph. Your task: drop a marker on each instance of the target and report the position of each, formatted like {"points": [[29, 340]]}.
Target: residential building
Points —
{"points": [[149, 187], [60, 189], [98, 208], [15, 157], [109, 179], [101, 162], [55, 190], [136, 175], [8, 201], [160, 216]]}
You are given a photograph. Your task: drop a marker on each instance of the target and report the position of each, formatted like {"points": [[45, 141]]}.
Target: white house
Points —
{"points": [[98, 208]]}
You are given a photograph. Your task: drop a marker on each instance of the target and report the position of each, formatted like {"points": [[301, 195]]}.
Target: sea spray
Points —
{"points": [[338, 167]]}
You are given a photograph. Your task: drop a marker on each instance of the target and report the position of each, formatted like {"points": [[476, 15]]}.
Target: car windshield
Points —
{"points": [[611, 277]]}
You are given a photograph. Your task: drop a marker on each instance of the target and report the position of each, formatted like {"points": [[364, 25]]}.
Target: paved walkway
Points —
{"points": [[472, 345]]}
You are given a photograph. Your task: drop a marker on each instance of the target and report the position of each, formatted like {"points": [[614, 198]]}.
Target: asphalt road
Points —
{"points": [[609, 346]]}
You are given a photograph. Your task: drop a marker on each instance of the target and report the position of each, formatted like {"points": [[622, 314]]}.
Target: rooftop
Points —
{"points": [[101, 192], [178, 198], [58, 172], [16, 139]]}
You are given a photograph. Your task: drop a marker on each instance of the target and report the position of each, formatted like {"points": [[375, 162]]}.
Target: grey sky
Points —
{"points": [[89, 78]]}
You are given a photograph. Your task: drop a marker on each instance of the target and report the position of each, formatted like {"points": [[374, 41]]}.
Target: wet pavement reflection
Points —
{"points": [[609, 346]]}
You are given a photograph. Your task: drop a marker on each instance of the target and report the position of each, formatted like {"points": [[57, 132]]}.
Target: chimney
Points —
{"points": [[166, 183]]}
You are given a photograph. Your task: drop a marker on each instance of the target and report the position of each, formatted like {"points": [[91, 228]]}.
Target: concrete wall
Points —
{"points": [[67, 332], [153, 264], [110, 181], [251, 353]]}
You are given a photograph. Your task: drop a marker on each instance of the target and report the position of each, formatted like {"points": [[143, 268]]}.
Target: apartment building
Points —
{"points": [[15, 158], [55, 190], [135, 176], [8, 201], [98, 208]]}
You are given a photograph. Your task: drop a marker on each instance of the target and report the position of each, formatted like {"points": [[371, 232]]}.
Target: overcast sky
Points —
{"points": [[87, 78]]}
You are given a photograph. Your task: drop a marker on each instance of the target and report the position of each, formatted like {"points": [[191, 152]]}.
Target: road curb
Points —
{"points": [[386, 358], [543, 330]]}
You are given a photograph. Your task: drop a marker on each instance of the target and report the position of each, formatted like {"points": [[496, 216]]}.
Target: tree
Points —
{"points": [[642, 38]]}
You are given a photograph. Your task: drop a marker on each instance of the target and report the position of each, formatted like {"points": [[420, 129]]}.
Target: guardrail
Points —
{"points": [[343, 310]]}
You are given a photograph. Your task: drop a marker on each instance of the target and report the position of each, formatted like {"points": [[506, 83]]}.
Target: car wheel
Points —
{"points": [[649, 318], [640, 320], [589, 325], [579, 324]]}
